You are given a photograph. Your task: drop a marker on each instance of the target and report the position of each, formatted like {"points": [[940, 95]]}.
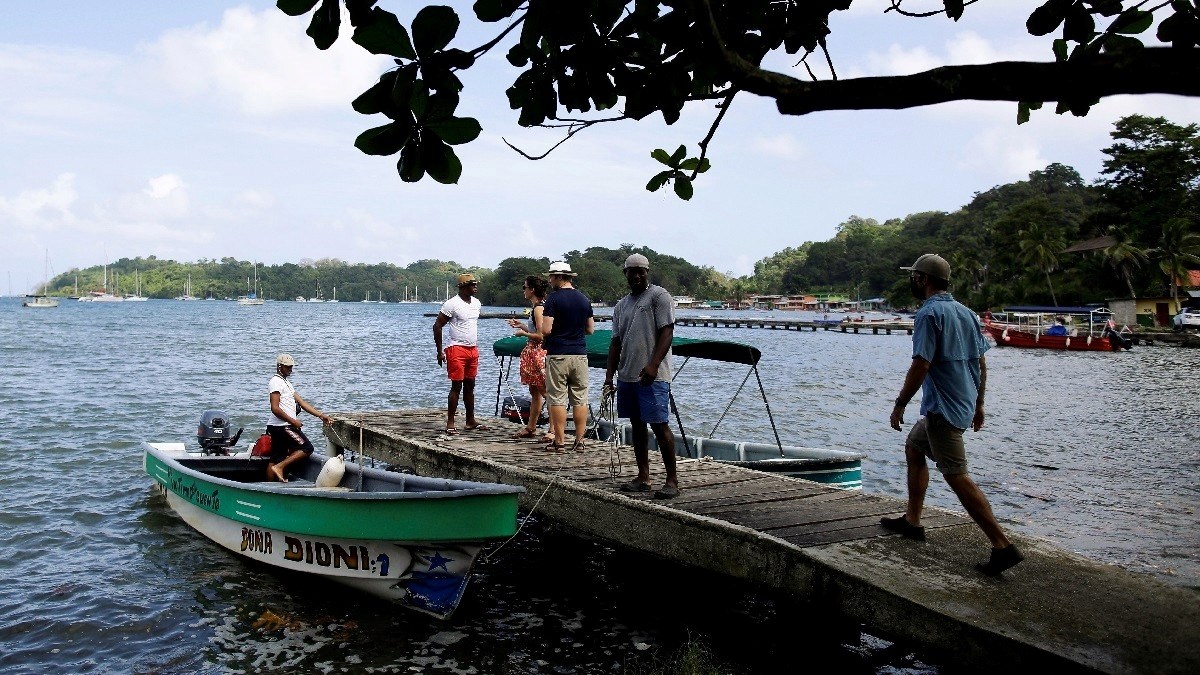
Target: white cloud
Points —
{"points": [[42, 209], [263, 63], [1005, 152], [164, 198], [367, 233]]}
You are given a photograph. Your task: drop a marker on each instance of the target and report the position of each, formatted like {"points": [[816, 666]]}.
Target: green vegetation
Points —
{"points": [[578, 64], [1008, 245]]}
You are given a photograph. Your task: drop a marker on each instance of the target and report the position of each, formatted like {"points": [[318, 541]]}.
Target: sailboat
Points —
{"points": [[407, 300], [187, 290], [42, 301], [251, 296], [334, 295], [137, 292], [102, 295]]}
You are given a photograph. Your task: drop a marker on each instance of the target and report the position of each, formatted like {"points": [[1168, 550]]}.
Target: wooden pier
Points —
{"points": [[1055, 610], [768, 323]]}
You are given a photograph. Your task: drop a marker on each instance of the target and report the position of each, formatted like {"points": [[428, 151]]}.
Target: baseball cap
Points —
{"points": [[561, 268], [467, 278], [637, 260], [285, 360], [932, 264]]}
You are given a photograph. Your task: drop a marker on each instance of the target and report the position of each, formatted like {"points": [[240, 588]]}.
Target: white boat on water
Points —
{"points": [[42, 301], [251, 296], [187, 291], [137, 292], [408, 539]]}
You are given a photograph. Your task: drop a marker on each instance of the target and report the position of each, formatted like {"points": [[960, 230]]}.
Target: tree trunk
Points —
{"points": [[1051, 285]]}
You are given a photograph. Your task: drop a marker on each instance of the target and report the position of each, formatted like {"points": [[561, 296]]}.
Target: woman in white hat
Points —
{"points": [[288, 442]]}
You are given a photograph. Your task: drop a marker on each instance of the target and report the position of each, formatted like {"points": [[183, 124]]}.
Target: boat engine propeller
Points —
{"points": [[214, 433]]}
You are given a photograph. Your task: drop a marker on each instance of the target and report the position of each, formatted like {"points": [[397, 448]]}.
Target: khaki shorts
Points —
{"points": [[941, 442], [567, 379]]}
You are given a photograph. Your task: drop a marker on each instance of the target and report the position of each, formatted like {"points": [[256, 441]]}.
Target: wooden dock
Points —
{"points": [[825, 546], [767, 323]]}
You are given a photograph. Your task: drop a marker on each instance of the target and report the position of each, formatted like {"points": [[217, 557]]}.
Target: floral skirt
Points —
{"points": [[533, 365]]}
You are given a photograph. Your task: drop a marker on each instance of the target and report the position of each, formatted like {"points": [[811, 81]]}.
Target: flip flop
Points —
{"points": [[667, 492], [450, 431], [479, 427], [636, 485], [524, 433]]}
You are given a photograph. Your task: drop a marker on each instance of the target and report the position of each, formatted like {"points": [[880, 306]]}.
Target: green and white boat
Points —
{"points": [[408, 539]]}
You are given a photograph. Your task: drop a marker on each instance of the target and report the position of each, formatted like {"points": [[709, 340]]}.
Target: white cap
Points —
{"points": [[285, 360], [637, 260]]}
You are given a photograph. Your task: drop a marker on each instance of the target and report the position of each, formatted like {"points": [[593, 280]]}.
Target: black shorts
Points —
{"points": [[286, 439]]}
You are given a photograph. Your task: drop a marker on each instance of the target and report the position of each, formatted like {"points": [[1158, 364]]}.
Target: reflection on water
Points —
{"points": [[1097, 452]]}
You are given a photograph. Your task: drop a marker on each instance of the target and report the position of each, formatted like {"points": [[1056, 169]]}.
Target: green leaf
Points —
{"points": [[383, 34], [1024, 108], [1060, 50], [662, 156], [433, 28], [678, 155], [490, 11], [440, 161], [954, 9], [323, 29], [1132, 22], [296, 7], [683, 187], [384, 140], [1079, 26], [456, 130], [418, 100], [660, 179], [1048, 17], [411, 166]]}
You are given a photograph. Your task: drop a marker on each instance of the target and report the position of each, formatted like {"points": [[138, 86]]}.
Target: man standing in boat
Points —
{"points": [[461, 356], [288, 442], [640, 356], [949, 369]]}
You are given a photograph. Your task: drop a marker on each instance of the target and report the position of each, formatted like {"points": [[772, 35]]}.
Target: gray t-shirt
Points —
{"points": [[636, 320]]}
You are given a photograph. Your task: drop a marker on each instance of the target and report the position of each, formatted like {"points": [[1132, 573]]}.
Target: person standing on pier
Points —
{"points": [[461, 356], [949, 369], [567, 320], [640, 356]]}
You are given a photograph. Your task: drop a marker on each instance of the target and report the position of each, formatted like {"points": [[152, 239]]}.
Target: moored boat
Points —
{"points": [[837, 468], [407, 539], [1089, 329]]}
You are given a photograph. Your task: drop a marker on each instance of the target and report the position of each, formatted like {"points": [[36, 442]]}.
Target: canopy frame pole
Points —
{"points": [[730, 406], [770, 417], [682, 434]]}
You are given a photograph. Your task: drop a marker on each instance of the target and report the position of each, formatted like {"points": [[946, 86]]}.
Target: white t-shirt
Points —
{"points": [[287, 399], [464, 321]]}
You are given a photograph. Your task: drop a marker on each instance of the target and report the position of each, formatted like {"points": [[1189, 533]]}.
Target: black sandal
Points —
{"points": [[554, 447]]}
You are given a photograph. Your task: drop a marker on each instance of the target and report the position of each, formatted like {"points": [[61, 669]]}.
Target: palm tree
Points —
{"points": [[1178, 247], [1123, 256], [1039, 246]]}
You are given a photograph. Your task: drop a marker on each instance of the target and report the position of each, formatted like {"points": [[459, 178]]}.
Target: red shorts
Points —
{"points": [[462, 363]]}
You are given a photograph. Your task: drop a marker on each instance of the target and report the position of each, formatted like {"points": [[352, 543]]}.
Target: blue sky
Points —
{"points": [[206, 129]]}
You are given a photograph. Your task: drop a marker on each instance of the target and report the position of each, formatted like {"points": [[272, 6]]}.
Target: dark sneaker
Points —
{"points": [[901, 525], [1002, 559]]}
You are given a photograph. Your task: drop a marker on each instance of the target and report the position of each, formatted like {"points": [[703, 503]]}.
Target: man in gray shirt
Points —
{"points": [[640, 356]]}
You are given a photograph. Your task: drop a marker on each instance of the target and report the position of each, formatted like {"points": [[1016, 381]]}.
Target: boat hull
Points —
{"points": [[407, 539], [835, 468], [1011, 337]]}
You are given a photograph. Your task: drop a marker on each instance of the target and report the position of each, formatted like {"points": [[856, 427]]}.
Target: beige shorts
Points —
{"points": [[567, 379], [941, 442]]}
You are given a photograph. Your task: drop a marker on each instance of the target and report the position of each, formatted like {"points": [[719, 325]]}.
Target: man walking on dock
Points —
{"points": [[949, 369], [640, 355], [461, 357]]}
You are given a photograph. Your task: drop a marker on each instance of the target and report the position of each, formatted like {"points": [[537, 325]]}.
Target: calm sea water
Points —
{"points": [[1096, 452]]}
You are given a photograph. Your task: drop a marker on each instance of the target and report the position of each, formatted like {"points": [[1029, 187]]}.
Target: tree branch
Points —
{"points": [[1156, 70]]}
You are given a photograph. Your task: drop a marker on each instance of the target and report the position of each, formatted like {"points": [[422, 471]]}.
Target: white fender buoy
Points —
{"points": [[1068, 342], [331, 474], [1089, 340], [1004, 335]]}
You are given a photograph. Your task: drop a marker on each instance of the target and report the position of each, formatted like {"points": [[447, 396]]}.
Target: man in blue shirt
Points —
{"points": [[949, 369]]}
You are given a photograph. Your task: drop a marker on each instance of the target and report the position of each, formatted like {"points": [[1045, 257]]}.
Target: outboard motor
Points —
{"points": [[215, 433]]}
